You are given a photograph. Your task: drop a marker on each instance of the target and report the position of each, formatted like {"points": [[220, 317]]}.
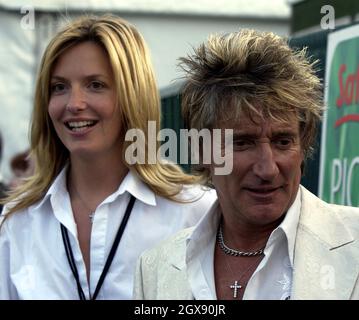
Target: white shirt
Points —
{"points": [[273, 277], [33, 263]]}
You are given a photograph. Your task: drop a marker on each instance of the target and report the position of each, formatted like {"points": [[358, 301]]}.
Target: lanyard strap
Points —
{"points": [[71, 260]]}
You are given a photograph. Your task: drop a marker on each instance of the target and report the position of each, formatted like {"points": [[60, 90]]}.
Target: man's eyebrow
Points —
{"points": [[244, 135], [253, 135], [284, 133]]}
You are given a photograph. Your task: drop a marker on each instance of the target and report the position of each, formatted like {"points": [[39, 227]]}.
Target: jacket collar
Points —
{"points": [[326, 253]]}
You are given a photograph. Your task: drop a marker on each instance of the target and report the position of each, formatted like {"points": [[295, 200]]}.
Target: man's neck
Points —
{"points": [[245, 236]]}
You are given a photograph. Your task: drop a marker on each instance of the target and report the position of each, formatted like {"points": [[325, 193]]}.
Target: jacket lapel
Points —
{"points": [[326, 256], [176, 270]]}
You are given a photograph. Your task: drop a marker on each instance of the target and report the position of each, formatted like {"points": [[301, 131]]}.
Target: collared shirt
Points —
{"points": [[33, 263], [273, 277]]}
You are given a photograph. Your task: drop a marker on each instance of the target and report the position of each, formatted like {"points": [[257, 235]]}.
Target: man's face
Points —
{"points": [[267, 158]]}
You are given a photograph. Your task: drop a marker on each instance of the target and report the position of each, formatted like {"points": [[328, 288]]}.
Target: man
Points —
{"points": [[267, 237]]}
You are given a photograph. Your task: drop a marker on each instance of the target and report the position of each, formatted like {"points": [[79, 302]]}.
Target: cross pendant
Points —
{"points": [[235, 288]]}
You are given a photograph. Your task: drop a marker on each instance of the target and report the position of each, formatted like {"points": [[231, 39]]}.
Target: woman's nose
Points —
{"points": [[76, 101]]}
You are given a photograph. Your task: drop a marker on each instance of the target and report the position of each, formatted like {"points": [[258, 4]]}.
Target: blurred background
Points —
{"points": [[171, 28]]}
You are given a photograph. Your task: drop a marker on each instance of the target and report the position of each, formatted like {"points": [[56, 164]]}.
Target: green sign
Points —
{"points": [[339, 171]]}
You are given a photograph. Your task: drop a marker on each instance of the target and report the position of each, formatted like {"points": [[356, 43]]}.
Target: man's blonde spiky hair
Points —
{"points": [[255, 73]]}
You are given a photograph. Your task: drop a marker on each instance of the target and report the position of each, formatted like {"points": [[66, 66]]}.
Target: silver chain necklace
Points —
{"points": [[91, 215], [233, 252]]}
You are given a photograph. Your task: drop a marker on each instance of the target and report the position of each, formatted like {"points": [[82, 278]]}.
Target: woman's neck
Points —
{"points": [[96, 179]]}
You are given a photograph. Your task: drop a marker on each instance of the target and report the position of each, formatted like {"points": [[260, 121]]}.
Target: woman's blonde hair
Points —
{"points": [[137, 95]]}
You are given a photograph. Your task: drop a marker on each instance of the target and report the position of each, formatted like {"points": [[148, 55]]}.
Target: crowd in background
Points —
{"points": [[21, 167]]}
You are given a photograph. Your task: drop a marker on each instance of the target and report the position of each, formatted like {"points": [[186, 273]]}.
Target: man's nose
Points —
{"points": [[76, 101], [265, 166]]}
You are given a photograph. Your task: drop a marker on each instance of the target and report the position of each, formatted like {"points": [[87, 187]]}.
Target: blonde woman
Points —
{"points": [[75, 229]]}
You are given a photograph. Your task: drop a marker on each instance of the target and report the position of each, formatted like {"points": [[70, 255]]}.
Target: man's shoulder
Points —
{"points": [[329, 212], [310, 198]]}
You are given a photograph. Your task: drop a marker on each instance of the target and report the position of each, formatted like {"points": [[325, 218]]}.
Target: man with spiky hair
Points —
{"points": [[266, 237]]}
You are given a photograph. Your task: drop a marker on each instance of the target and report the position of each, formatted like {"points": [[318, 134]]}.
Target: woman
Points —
{"points": [[75, 229]]}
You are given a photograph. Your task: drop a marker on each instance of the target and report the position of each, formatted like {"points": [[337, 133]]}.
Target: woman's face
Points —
{"points": [[82, 103]]}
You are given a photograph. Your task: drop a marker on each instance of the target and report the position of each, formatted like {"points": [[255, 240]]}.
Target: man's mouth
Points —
{"points": [[263, 190]]}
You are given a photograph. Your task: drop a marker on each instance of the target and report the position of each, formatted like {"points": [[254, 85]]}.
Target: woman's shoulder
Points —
{"points": [[196, 193], [21, 219], [191, 203], [193, 195]]}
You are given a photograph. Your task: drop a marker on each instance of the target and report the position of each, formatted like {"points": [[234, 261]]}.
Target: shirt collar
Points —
{"points": [[131, 183], [206, 228], [57, 187], [288, 228], [134, 185], [204, 231], [199, 254]]}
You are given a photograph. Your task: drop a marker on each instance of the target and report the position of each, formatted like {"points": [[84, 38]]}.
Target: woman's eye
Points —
{"points": [[57, 87], [96, 85]]}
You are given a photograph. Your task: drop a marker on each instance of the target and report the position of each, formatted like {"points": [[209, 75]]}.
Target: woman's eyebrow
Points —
{"points": [[87, 77], [57, 78]]}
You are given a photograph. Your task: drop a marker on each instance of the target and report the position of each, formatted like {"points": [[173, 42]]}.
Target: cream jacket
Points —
{"points": [[326, 257]]}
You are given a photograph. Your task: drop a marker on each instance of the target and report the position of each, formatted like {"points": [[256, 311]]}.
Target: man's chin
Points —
{"points": [[266, 213]]}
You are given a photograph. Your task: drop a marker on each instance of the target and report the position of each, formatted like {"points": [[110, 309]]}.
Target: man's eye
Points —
{"points": [[96, 85], [243, 144], [284, 143]]}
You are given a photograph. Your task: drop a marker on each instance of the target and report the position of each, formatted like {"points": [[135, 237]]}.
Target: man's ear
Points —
{"points": [[302, 168], [206, 166]]}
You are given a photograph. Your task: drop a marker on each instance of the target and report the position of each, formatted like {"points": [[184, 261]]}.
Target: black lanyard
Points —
{"points": [[71, 260]]}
